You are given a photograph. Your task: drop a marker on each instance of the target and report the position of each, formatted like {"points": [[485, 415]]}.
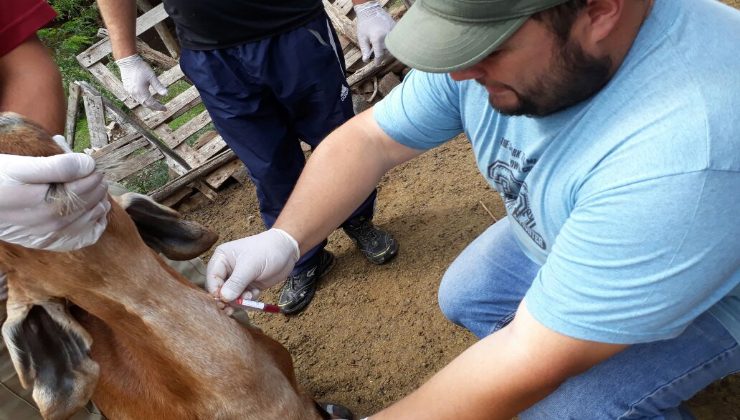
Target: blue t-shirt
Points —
{"points": [[629, 200]]}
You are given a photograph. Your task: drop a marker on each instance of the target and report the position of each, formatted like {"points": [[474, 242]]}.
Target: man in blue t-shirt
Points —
{"points": [[611, 289]]}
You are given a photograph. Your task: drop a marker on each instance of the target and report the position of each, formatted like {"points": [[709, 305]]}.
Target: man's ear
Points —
{"points": [[598, 22]]}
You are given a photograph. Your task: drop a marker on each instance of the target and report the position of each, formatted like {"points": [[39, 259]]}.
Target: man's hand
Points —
{"points": [[137, 76], [251, 264], [373, 24], [27, 216]]}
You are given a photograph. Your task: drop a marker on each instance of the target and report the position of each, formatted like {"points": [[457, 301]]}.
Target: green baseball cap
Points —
{"points": [[440, 36]]}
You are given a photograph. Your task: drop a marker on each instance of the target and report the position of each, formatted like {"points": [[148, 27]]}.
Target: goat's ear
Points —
{"points": [[164, 229], [51, 352]]}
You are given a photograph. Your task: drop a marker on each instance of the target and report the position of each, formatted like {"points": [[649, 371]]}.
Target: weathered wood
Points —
{"points": [[115, 145], [178, 196], [175, 105], [166, 150], [169, 41], [205, 138], [150, 55], [95, 115], [213, 146], [388, 82], [342, 24], [370, 70], [241, 175], [186, 130], [133, 165], [190, 155], [118, 155], [220, 175], [73, 102], [171, 187], [109, 81]]}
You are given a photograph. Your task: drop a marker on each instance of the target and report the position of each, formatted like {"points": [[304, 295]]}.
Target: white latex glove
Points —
{"points": [[245, 266], [137, 76], [29, 219], [373, 24]]}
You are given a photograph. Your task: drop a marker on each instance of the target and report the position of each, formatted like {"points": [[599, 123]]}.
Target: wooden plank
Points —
{"points": [[102, 48], [115, 145], [175, 198], [169, 41], [150, 55], [73, 102], [204, 139], [342, 24], [139, 127], [190, 155], [95, 115], [370, 70], [220, 175], [117, 156], [241, 175], [213, 146], [343, 6], [206, 190], [175, 105], [109, 80], [171, 187], [133, 165], [352, 57], [188, 129]]}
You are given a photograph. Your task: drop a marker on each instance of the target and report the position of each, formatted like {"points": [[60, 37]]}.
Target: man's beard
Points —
{"points": [[576, 76]]}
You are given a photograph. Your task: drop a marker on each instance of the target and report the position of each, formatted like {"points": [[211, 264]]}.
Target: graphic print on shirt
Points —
{"points": [[508, 180]]}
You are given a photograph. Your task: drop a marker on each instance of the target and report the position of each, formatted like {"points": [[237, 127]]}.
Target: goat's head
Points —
{"points": [[49, 348]]}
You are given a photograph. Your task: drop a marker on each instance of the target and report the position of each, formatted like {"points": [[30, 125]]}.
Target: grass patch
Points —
{"points": [[82, 136], [148, 179]]}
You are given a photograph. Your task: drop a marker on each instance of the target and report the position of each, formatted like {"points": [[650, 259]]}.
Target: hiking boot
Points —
{"points": [[298, 289], [378, 245]]}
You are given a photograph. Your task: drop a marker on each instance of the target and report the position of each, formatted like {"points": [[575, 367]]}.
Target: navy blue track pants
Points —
{"points": [[265, 96]]}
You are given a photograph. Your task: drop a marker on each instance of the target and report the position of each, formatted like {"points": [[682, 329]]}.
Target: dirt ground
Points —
{"points": [[375, 333]]}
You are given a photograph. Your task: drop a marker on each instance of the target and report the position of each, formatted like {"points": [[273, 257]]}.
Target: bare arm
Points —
{"points": [[31, 85], [502, 375], [340, 174], [120, 19]]}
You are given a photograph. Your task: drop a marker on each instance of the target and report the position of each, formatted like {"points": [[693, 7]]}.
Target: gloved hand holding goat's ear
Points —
{"points": [[30, 217]]}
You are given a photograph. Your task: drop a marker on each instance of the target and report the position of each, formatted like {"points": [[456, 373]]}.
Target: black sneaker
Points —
{"points": [[378, 245], [298, 289], [334, 411]]}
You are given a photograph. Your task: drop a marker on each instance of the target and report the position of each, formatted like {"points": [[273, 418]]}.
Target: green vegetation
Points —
{"points": [[72, 32], [148, 179]]}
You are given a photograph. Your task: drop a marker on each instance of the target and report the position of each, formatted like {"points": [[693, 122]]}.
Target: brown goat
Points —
{"points": [[114, 323]]}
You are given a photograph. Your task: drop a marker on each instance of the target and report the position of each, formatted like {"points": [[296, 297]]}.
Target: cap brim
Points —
{"points": [[426, 41]]}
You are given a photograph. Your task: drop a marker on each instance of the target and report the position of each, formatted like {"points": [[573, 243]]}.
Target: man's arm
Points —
{"points": [[120, 19], [31, 85], [340, 174], [137, 76], [502, 375]]}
